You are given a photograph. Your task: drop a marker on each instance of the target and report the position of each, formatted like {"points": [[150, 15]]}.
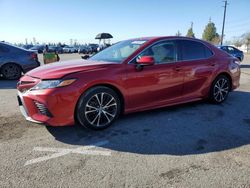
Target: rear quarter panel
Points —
{"points": [[223, 61]]}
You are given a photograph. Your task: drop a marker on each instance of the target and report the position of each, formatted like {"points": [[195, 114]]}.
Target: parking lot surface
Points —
{"points": [[192, 145]]}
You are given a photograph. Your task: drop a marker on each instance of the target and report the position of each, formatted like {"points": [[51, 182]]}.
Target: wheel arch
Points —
{"points": [[227, 75], [11, 62], [119, 93], [111, 86]]}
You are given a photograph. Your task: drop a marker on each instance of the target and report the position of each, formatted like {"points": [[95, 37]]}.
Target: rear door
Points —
{"points": [[197, 67]]}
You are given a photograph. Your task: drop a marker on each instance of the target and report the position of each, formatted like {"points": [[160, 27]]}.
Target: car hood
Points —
{"points": [[62, 68]]}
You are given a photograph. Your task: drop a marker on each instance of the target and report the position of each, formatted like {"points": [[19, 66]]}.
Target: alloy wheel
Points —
{"points": [[221, 89], [101, 109], [11, 71]]}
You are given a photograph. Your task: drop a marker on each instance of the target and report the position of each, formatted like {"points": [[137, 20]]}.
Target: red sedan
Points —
{"points": [[130, 76]]}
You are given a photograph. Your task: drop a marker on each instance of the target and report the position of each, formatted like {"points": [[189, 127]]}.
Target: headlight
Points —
{"points": [[48, 84]]}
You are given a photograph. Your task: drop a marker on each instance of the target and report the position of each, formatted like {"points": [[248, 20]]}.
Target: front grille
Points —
{"points": [[42, 109]]}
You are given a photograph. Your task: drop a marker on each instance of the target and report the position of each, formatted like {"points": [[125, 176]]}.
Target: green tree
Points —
{"points": [[216, 40], [178, 33], [210, 34], [190, 32]]}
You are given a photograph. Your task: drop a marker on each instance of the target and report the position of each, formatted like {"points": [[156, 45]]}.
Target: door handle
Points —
{"points": [[212, 64]]}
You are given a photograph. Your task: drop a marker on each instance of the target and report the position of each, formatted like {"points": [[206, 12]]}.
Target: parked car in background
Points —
{"points": [[39, 48], [27, 46], [233, 51], [14, 61], [93, 47], [56, 49], [102, 47], [84, 50], [69, 49], [129, 76]]}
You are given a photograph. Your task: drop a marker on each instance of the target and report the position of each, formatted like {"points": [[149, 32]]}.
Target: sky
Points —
{"points": [[62, 20]]}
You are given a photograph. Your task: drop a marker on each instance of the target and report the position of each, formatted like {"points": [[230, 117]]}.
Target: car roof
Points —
{"points": [[13, 46], [155, 38]]}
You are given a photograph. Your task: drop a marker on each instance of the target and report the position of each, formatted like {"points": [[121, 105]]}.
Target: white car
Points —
{"points": [[69, 49]]}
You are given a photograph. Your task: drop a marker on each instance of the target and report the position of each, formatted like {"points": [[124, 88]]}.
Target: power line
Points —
{"points": [[238, 30], [244, 25], [235, 24]]}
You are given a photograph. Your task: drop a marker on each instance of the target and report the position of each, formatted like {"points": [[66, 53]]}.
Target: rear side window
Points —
{"points": [[224, 48], [192, 50], [231, 49], [3, 49]]}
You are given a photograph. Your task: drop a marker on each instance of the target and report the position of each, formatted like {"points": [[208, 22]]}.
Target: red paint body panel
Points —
{"points": [[153, 87], [59, 69]]}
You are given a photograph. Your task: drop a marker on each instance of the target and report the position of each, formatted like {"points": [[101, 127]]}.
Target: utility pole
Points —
{"points": [[224, 17]]}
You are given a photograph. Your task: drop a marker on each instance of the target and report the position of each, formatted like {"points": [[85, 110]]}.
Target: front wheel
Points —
{"points": [[220, 89], [98, 108]]}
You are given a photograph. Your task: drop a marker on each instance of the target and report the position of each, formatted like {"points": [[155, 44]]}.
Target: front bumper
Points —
{"points": [[23, 108], [51, 107]]}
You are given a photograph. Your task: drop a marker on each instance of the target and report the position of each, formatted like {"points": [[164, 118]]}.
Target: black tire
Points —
{"points": [[98, 108], [11, 71], [219, 89]]}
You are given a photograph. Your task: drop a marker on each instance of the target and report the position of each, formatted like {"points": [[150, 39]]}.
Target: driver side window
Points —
{"points": [[164, 52]]}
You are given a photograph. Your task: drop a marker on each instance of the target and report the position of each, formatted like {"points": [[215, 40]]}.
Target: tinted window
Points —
{"points": [[231, 49], [192, 50], [119, 51], [164, 52], [224, 48]]}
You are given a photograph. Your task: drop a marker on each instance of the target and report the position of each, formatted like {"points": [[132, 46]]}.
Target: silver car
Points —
{"points": [[69, 49], [14, 61]]}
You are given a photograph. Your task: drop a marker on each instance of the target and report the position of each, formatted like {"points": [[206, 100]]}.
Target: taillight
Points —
{"points": [[34, 56]]}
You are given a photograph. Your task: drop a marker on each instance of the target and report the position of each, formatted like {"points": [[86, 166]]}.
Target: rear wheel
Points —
{"points": [[220, 89], [11, 71], [98, 108]]}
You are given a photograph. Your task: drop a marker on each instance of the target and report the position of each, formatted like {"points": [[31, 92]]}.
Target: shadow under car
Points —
{"points": [[187, 129]]}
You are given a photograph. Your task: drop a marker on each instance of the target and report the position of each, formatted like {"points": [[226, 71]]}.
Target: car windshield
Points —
{"points": [[119, 51]]}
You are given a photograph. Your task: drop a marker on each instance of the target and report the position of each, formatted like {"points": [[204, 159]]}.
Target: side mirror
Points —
{"points": [[146, 60]]}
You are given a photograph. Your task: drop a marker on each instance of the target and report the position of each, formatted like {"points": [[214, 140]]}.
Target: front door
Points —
{"points": [[157, 84]]}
